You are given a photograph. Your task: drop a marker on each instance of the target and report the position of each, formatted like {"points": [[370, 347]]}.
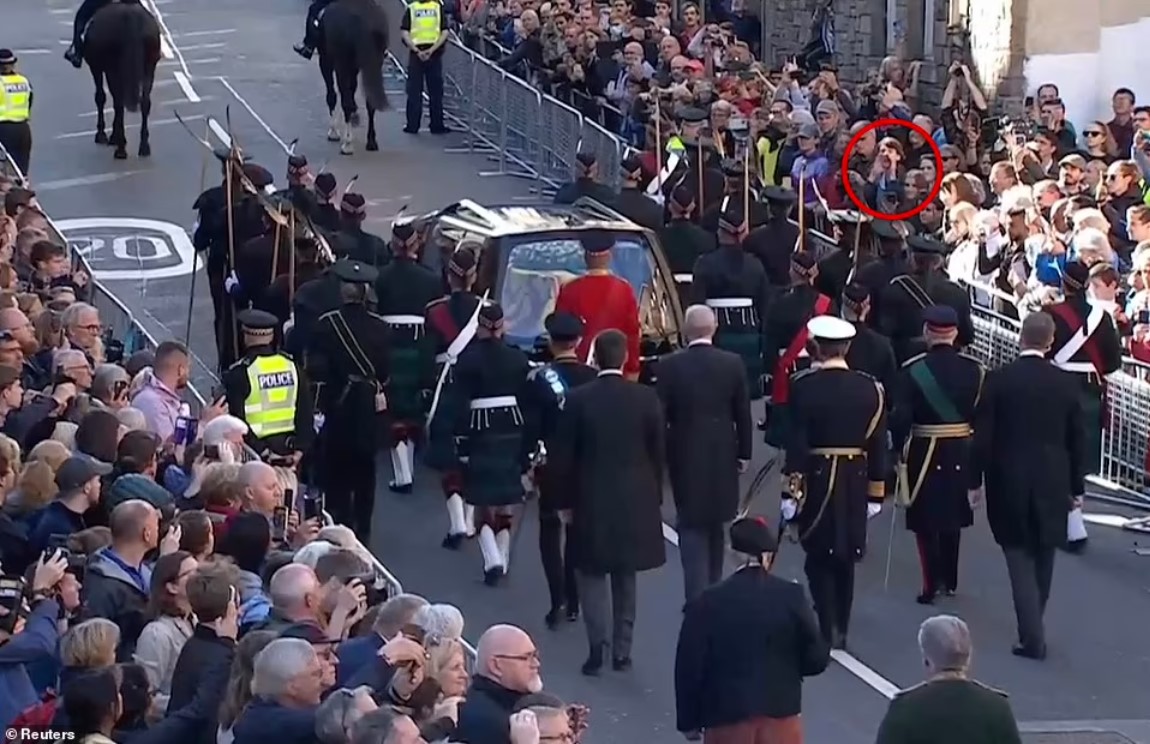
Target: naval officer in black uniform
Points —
{"points": [[835, 470], [934, 399], [546, 399]]}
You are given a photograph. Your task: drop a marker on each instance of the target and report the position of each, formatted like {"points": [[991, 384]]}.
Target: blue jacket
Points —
{"points": [[254, 604], [265, 721], [484, 716], [113, 593], [355, 655], [37, 641], [53, 519]]}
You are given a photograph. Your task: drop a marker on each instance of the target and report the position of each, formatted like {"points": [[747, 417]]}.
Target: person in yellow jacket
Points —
{"points": [[424, 32], [268, 390], [15, 111]]}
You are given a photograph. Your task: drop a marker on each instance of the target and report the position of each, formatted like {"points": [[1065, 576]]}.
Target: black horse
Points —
{"points": [[122, 46], [353, 46]]}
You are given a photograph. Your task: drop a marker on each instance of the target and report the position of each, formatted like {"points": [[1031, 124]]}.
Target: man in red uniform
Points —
{"points": [[603, 301]]}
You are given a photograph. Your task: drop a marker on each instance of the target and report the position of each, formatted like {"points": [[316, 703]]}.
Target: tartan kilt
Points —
{"points": [[441, 453], [748, 344], [492, 473], [404, 389], [1093, 410]]}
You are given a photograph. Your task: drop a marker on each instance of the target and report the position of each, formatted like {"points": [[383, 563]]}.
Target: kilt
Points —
{"points": [[1091, 393], [404, 389], [494, 450], [738, 332]]}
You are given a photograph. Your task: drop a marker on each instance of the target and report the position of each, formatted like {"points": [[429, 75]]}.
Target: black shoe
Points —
{"points": [[440, 130], [493, 576], [926, 598], [552, 618], [839, 640], [761, 424], [452, 542], [1076, 547], [73, 55], [594, 663], [409, 130], [621, 663], [949, 591], [304, 51], [1038, 654], [400, 489], [572, 614]]}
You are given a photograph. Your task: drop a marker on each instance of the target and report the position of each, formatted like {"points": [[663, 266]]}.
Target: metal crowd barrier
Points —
{"points": [[529, 134]]}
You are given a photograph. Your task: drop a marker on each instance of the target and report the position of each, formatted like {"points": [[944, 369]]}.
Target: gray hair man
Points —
{"points": [[287, 683], [82, 326], [385, 726], [110, 385], [339, 713], [358, 656], [948, 701]]}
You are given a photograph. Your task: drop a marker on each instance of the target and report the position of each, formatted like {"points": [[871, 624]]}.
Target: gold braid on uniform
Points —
{"points": [[876, 490]]}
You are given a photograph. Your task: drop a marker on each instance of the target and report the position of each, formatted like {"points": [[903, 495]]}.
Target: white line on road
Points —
{"points": [[151, 124], [214, 32], [199, 47], [252, 111], [68, 183], [166, 41], [220, 133], [185, 63], [26, 52], [60, 11], [186, 86]]}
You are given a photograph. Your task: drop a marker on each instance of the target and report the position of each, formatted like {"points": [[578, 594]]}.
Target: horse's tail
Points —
{"points": [[133, 49], [371, 41]]}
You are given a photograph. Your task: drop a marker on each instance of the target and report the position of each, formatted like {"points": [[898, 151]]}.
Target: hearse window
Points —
{"points": [[536, 269]]}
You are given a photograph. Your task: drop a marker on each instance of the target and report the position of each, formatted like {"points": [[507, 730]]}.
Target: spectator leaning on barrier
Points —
{"points": [[359, 661], [506, 669], [286, 688]]}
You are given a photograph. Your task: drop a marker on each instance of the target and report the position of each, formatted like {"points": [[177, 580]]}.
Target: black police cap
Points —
{"points": [[926, 245], [354, 272], [753, 536], [779, 195], [8, 57], [691, 115], [491, 316], [257, 320], [564, 326]]}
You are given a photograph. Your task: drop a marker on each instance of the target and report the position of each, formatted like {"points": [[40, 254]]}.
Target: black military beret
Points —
{"points": [[257, 320], [779, 195], [260, 177], [354, 272], [753, 536], [940, 317], [296, 163], [403, 230], [585, 159], [926, 245], [683, 196], [632, 166], [462, 263], [564, 326], [855, 294], [732, 168], [887, 230], [353, 203], [732, 220], [325, 184], [1075, 276], [691, 115], [803, 261], [491, 316]]}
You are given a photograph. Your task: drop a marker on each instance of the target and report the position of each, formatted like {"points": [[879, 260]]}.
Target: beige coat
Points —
{"points": [[157, 651]]}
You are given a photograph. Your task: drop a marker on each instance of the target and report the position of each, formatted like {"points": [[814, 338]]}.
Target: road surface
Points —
{"points": [[237, 57]]}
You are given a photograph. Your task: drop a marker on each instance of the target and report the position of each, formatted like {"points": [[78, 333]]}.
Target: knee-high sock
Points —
{"points": [[469, 520], [492, 558], [503, 540], [455, 515], [399, 463], [409, 460]]}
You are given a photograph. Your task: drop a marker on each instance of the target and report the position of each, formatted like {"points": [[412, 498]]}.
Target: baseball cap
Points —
{"points": [[77, 470]]}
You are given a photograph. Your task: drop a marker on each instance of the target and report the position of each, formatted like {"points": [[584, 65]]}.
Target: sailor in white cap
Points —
{"points": [[835, 469]]}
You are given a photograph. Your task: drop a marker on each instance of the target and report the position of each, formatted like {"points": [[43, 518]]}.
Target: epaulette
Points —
{"points": [[913, 359], [534, 373], [238, 363], [987, 687]]}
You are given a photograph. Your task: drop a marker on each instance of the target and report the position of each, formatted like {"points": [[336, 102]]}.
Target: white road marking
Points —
{"points": [[186, 86], [220, 133], [259, 119], [122, 231], [151, 124], [1106, 520], [197, 47], [60, 11], [67, 183], [178, 102], [26, 52], [215, 32], [184, 63]]}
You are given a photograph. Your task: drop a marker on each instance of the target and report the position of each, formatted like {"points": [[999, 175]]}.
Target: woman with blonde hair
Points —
{"points": [[956, 188], [49, 330], [36, 484], [87, 646]]}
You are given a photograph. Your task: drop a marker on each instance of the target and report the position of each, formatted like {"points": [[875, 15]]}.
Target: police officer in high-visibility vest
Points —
{"points": [[268, 390], [424, 32], [15, 110]]}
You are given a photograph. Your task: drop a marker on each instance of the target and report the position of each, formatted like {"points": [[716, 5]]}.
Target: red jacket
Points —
{"points": [[603, 301]]}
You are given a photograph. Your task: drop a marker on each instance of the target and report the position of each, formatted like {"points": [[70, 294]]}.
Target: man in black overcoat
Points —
{"points": [[744, 648], [1029, 456], [708, 411], [609, 454]]}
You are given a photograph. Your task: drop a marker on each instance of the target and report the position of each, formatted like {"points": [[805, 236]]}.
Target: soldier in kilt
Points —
{"points": [[404, 289], [491, 378], [733, 283], [449, 325]]}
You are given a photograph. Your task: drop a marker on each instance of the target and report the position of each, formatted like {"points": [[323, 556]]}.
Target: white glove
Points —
{"points": [[873, 510], [790, 509], [232, 283]]}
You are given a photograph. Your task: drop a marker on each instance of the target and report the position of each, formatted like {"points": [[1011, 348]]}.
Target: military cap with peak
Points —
{"points": [[691, 115], [260, 176], [564, 326], [779, 195], [753, 536], [632, 166], [927, 245], [325, 184], [257, 320], [940, 317], [462, 263], [491, 316], [354, 272], [830, 328], [353, 203], [596, 242]]}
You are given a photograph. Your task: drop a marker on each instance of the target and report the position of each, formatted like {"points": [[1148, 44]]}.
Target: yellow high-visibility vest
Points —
{"points": [[425, 22], [675, 145], [274, 388], [15, 98]]}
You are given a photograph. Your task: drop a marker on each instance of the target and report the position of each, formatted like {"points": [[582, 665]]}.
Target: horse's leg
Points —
{"points": [[101, 99], [345, 77], [330, 95], [119, 138], [146, 109], [372, 145]]}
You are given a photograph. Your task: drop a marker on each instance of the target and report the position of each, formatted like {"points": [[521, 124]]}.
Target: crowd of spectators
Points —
{"points": [[147, 594]]}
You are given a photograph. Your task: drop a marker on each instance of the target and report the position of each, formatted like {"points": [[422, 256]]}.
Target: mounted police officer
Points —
{"points": [[835, 470], [424, 33], [352, 241], [84, 15], [734, 285], [268, 390], [15, 111], [546, 396], [311, 36], [490, 379], [935, 395], [449, 324], [683, 241], [348, 359], [585, 184], [403, 291]]}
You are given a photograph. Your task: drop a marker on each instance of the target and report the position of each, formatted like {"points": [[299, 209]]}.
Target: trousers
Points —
{"points": [[16, 138], [311, 31], [831, 579], [557, 551], [349, 486], [425, 75], [938, 557], [609, 605], [1031, 572], [84, 15], [701, 551], [760, 730]]}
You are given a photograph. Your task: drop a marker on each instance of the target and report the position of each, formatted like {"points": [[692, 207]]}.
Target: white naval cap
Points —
{"points": [[830, 328]]}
